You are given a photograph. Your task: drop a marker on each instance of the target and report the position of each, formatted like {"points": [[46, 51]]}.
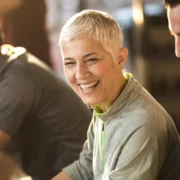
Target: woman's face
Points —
{"points": [[92, 72]]}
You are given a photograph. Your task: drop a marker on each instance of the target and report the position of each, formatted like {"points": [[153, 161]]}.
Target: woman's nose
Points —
{"points": [[81, 71]]}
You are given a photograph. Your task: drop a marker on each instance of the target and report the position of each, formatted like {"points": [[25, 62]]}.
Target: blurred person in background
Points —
{"points": [[26, 26], [7, 6], [43, 123], [131, 136], [173, 15]]}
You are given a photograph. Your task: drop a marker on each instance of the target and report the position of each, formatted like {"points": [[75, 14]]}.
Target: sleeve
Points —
{"points": [[141, 156], [82, 168], [15, 101]]}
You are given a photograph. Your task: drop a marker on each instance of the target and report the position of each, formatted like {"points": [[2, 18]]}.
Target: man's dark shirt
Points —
{"points": [[45, 118]]}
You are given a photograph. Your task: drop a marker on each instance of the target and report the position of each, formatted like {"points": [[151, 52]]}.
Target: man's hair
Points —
{"points": [[96, 25], [171, 3]]}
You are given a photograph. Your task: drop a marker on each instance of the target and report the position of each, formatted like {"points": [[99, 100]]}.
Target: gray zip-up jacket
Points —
{"points": [[135, 140]]}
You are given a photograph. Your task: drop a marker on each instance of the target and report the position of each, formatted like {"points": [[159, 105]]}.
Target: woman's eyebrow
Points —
{"points": [[89, 54], [84, 56], [68, 58]]}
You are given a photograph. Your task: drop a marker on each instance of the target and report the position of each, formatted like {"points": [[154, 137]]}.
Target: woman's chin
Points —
{"points": [[89, 103], [90, 100]]}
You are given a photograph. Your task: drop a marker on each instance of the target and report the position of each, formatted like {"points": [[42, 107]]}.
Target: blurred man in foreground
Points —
{"points": [[43, 122]]}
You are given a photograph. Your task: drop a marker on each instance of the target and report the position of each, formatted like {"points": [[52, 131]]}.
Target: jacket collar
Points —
{"points": [[124, 98]]}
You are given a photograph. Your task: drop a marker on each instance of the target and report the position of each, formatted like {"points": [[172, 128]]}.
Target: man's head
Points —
{"points": [[173, 14], [171, 3]]}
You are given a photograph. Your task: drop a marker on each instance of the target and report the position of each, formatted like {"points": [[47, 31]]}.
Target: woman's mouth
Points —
{"points": [[86, 87]]}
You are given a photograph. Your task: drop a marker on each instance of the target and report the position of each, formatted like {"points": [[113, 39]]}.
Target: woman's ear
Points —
{"points": [[122, 57]]}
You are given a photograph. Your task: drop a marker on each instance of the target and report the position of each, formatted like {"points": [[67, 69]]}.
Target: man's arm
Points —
{"points": [[4, 140], [8, 166], [62, 176], [9, 169]]}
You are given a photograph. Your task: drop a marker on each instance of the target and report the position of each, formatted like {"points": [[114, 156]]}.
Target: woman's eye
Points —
{"points": [[68, 63], [92, 59]]}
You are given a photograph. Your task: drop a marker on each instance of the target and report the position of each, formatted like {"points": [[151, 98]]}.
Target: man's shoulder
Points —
{"points": [[11, 58], [17, 61], [12, 52]]}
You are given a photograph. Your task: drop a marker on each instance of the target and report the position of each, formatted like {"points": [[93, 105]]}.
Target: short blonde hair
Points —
{"points": [[96, 25]]}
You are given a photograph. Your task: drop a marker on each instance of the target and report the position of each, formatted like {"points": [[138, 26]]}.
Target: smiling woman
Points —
{"points": [[131, 136], [91, 71]]}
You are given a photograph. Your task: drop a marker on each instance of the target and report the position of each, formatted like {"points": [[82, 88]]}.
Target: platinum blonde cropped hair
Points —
{"points": [[96, 25]]}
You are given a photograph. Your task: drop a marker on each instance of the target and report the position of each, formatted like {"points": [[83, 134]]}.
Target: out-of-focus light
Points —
{"points": [[154, 9], [113, 3], [26, 178], [123, 16], [70, 4], [137, 12]]}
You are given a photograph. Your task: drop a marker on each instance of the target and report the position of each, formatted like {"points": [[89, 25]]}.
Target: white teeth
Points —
{"points": [[86, 86]]}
